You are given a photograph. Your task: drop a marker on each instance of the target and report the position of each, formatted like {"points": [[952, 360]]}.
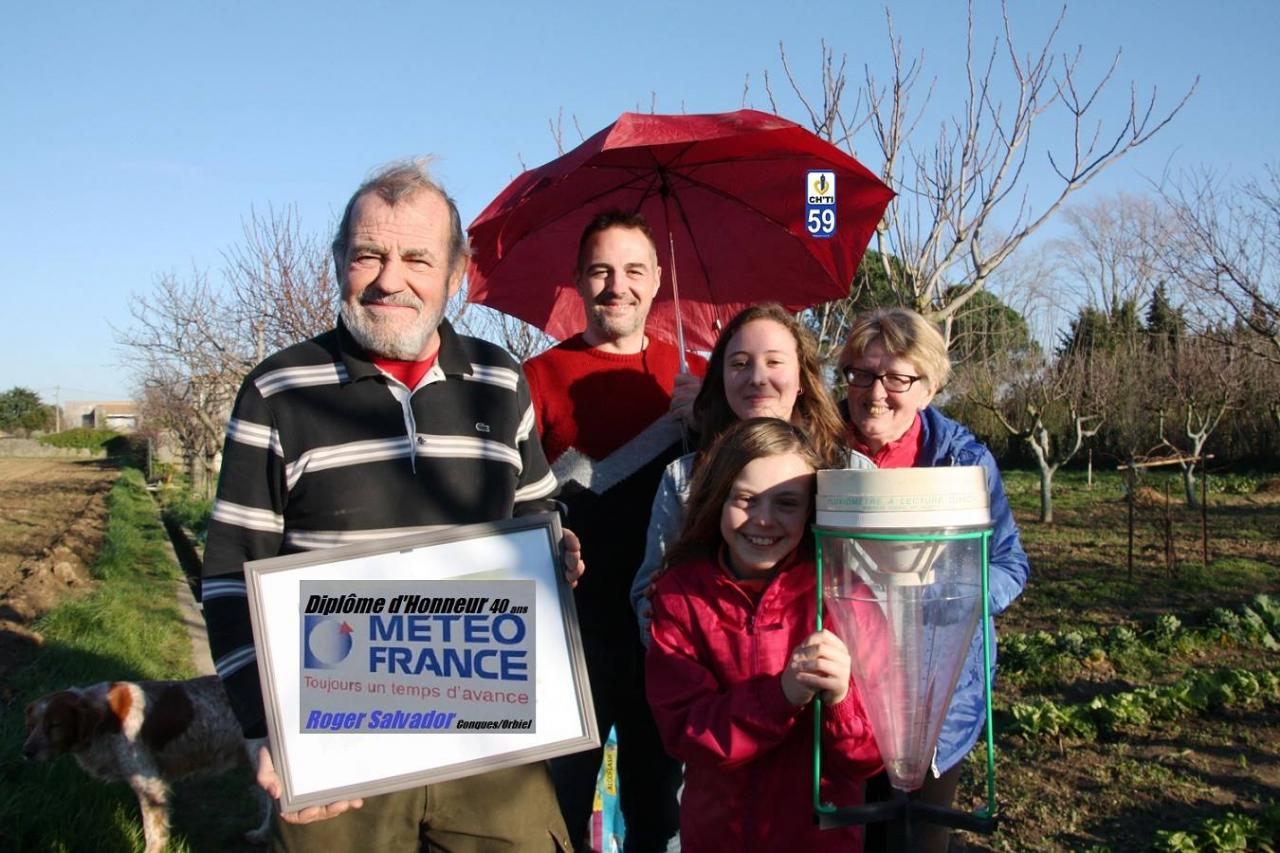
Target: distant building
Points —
{"points": [[121, 416]]}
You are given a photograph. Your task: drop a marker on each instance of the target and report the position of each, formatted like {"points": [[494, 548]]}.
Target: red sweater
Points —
{"points": [[598, 401], [902, 452]]}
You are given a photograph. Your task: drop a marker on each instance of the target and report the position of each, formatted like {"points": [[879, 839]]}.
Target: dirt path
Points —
{"points": [[52, 520]]}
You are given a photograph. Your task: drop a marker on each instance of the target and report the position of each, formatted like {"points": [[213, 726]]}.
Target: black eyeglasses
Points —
{"points": [[896, 382]]}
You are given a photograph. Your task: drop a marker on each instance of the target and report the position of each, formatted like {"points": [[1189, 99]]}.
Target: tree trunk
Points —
{"points": [[1046, 493], [1189, 484]]}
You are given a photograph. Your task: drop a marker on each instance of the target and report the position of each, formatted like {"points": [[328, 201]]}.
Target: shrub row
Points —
{"points": [[81, 437], [1232, 831], [1042, 659], [1199, 693]]}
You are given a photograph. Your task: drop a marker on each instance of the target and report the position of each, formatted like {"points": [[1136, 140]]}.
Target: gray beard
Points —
{"points": [[382, 340]]}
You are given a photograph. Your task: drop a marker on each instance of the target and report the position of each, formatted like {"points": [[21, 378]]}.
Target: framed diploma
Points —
{"points": [[418, 659]]}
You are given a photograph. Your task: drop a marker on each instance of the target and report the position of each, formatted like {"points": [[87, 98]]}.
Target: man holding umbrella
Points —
{"points": [[748, 207], [609, 403]]}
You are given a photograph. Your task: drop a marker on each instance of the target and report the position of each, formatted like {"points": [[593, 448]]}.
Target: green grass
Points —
{"points": [[1081, 595], [128, 627], [187, 509], [1079, 562]]}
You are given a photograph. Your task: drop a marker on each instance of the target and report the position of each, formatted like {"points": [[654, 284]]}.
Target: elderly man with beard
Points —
{"points": [[609, 404], [389, 423]]}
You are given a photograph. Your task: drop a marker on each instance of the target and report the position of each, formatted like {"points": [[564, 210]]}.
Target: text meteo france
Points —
{"points": [[466, 628]]}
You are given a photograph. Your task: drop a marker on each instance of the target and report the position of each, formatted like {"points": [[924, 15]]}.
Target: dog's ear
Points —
{"points": [[33, 713], [65, 720], [119, 702]]}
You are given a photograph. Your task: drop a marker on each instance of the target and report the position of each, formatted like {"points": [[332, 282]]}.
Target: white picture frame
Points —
{"points": [[443, 693]]}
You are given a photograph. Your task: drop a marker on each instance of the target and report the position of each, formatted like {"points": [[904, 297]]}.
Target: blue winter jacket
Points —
{"points": [[946, 442]]}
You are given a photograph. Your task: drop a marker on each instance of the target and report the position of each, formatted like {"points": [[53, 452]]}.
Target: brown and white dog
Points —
{"points": [[146, 734]]}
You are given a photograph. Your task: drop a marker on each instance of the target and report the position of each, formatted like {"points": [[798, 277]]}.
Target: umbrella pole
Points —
{"points": [[675, 297], [675, 278]]}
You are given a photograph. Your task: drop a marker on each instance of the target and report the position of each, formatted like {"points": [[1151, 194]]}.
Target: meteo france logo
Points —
{"points": [[326, 641], [820, 203]]}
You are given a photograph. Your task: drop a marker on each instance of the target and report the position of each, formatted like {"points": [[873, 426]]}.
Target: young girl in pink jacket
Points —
{"points": [[734, 663]]}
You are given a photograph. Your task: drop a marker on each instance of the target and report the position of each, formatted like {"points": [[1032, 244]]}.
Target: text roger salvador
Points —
{"points": [[403, 642]]}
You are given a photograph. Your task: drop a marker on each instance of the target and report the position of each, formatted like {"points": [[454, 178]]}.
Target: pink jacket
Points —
{"points": [[713, 675]]}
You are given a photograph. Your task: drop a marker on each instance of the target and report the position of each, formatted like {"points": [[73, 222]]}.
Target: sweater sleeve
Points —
{"points": [[665, 517], [1008, 563], [536, 485], [699, 719], [848, 745], [247, 523]]}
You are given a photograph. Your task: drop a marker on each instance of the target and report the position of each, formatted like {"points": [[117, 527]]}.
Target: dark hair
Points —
{"points": [[743, 442], [607, 219], [394, 183], [814, 411]]}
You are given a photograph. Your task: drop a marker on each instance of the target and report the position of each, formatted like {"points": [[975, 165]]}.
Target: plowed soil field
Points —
{"points": [[52, 519]]}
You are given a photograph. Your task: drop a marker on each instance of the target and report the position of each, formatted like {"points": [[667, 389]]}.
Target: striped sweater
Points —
{"points": [[323, 449]]}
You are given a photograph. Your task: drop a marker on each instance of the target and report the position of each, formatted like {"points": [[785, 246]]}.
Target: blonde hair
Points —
{"points": [[904, 334]]}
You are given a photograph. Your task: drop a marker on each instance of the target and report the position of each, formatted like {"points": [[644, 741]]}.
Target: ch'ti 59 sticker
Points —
{"points": [[820, 203]]}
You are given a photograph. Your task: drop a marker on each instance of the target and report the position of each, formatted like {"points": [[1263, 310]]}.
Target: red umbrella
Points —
{"points": [[733, 194]]}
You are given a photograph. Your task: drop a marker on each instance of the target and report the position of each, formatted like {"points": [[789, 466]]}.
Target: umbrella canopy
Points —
{"points": [[730, 191]]}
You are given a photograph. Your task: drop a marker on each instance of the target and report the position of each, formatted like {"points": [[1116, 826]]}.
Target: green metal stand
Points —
{"points": [[903, 807]]}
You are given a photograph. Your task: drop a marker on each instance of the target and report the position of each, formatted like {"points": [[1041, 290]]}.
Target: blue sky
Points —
{"points": [[138, 136]]}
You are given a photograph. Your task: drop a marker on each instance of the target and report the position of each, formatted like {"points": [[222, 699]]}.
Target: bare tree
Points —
{"points": [[190, 412], [523, 340], [280, 282], [1114, 250], [189, 356], [1204, 381], [963, 206], [1052, 408], [191, 342], [1228, 255]]}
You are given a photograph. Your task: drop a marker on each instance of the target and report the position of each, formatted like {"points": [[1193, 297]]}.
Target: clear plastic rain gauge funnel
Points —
{"points": [[902, 560]]}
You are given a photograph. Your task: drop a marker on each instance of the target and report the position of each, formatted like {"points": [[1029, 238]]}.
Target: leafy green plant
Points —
{"points": [[1042, 659], [1233, 484], [1268, 611], [1198, 693], [1177, 841], [1232, 831]]}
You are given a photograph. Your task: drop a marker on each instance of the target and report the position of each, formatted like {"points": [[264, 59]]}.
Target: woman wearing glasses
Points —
{"points": [[893, 364]]}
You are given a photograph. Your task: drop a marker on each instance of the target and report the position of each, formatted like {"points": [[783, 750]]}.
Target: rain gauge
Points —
{"points": [[903, 578]]}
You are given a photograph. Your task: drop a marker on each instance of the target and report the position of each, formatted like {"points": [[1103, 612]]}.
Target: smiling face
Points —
{"points": [[763, 518], [617, 281], [397, 278], [762, 371], [879, 416]]}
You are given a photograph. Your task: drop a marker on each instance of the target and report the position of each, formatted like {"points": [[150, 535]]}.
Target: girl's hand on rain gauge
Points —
{"points": [[818, 665]]}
